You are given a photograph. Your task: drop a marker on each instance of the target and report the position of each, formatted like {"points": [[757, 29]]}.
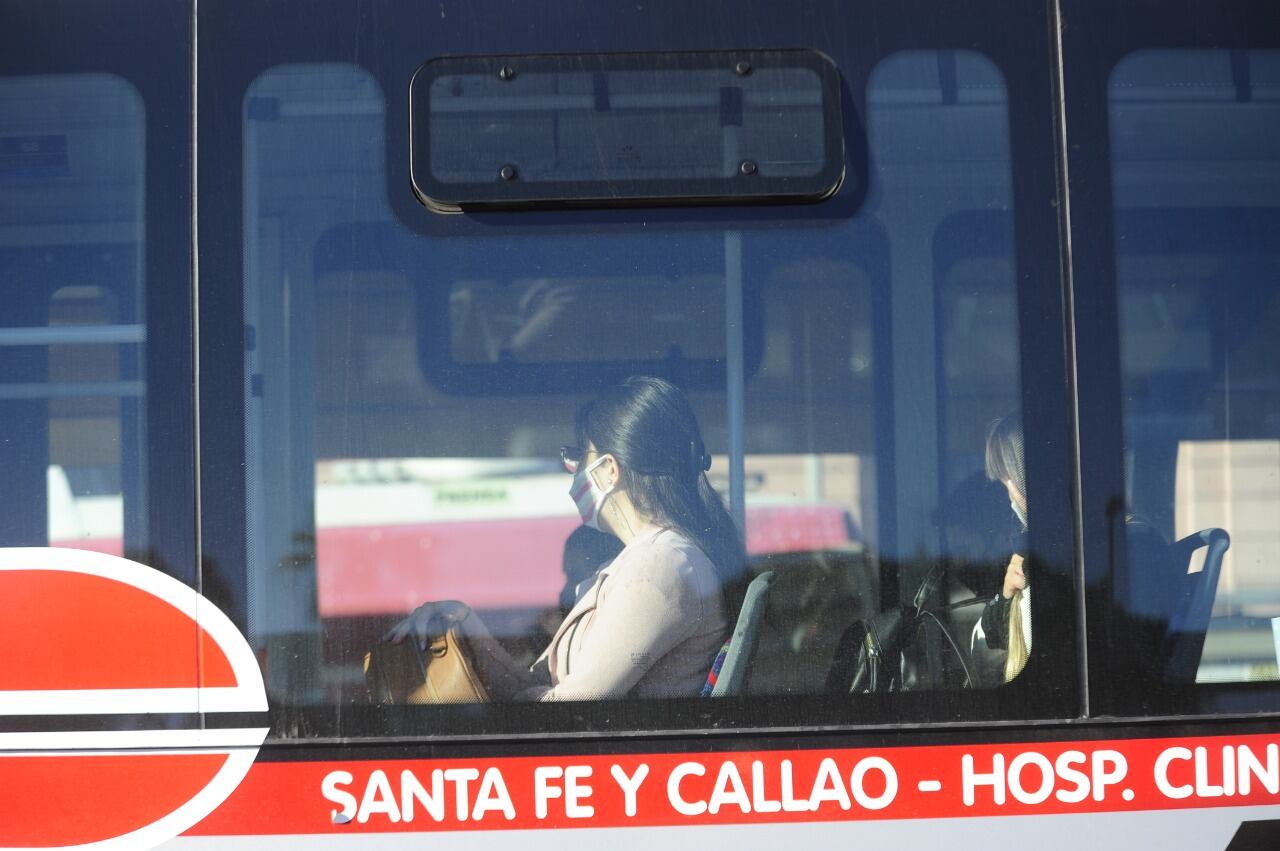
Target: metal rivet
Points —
{"points": [[747, 168], [506, 73], [507, 172], [743, 68]]}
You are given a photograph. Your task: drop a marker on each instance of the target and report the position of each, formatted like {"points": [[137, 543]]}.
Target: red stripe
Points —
{"points": [[286, 798]]}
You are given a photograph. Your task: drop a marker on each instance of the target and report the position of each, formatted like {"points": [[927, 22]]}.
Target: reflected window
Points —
{"points": [[72, 332]]}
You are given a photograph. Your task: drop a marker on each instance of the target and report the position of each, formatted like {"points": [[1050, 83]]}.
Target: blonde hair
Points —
{"points": [[1016, 660], [1006, 462], [1006, 459]]}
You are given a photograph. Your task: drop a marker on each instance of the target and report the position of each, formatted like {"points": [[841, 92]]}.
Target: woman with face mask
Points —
{"points": [[649, 623]]}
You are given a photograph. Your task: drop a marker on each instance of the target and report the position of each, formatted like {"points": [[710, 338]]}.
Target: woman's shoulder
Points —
{"points": [[666, 538], [663, 553]]}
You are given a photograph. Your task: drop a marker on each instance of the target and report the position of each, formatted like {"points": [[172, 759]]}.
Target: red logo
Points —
{"points": [[90, 634]]}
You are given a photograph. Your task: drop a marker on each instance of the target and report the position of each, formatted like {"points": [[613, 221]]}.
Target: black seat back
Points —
{"points": [[1193, 606]]}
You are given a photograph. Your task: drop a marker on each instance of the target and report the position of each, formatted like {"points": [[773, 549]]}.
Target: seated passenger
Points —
{"points": [[653, 619], [1006, 620]]}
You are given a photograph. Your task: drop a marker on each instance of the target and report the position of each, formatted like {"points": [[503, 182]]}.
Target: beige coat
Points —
{"points": [[649, 625]]}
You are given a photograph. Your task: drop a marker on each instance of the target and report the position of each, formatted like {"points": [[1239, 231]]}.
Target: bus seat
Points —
{"points": [[815, 595], [1189, 619], [732, 679]]}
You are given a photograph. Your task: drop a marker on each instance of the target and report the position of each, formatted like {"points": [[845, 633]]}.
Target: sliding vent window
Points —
{"points": [[602, 130]]}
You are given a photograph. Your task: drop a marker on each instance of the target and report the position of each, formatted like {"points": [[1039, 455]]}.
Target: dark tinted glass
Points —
{"points": [[609, 129]]}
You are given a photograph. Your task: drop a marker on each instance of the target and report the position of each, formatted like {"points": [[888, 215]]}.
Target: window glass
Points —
{"points": [[72, 331], [408, 391], [955, 368], [1197, 193]]}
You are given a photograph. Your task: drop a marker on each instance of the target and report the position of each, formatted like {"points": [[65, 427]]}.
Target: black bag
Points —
{"points": [[869, 656]]}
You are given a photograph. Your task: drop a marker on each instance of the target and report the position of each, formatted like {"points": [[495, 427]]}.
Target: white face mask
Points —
{"points": [[1020, 512], [589, 496]]}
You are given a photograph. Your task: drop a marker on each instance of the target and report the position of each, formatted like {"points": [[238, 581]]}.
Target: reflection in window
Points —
{"points": [[72, 332], [1198, 206], [935, 117], [407, 395], [1234, 485], [93, 383], [644, 318]]}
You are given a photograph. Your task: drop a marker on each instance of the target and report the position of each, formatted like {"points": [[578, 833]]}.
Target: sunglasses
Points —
{"points": [[571, 457]]}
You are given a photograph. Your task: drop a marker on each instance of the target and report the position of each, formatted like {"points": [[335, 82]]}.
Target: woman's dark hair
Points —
{"points": [[1006, 458], [650, 427]]}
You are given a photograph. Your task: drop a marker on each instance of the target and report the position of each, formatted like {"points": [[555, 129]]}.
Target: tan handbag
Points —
{"points": [[399, 674]]}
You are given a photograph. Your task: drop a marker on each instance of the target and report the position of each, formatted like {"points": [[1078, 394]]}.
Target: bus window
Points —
{"points": [[72, 332], [408, 384], [1196, 180]]}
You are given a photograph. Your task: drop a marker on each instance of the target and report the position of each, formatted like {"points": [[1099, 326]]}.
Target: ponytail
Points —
{"points": [[651, 428]]}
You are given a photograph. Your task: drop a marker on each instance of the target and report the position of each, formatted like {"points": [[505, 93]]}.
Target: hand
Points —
{"points": [[1014, 579], [541, 309], [427, 622]]}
